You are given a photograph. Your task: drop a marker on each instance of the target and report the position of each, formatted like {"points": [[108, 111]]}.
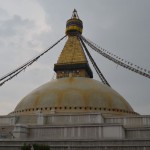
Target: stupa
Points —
{"points": [[74, 111], [74, 90]]}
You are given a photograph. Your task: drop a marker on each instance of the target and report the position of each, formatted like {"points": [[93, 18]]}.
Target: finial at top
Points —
{"points": [[75, 14]]}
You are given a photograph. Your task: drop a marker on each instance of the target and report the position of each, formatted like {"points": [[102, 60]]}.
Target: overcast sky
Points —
{"points": [[27, 27]]}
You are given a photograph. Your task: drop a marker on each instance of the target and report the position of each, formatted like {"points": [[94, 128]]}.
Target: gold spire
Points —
{"points": [[72, 58], [72, 52]]}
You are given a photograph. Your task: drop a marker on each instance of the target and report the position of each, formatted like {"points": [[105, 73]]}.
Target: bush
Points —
{"points": [[25, 147], [35, 146]]}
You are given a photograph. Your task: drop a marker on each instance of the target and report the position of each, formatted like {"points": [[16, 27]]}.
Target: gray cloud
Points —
{"points": [[9, 28]]}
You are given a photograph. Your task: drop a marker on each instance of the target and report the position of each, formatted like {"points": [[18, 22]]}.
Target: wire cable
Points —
{"points": [[94, 64], [117, 60], [15, 72]]}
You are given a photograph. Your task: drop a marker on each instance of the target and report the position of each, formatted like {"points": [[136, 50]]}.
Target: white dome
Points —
{"points": [[74, 94]]}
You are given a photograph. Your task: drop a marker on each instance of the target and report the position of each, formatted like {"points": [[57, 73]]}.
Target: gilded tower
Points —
{"points": [[72, 59]]}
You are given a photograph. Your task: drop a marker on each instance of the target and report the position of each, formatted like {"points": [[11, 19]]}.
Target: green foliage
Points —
{"points": [[25, 147], [35, 146]]}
